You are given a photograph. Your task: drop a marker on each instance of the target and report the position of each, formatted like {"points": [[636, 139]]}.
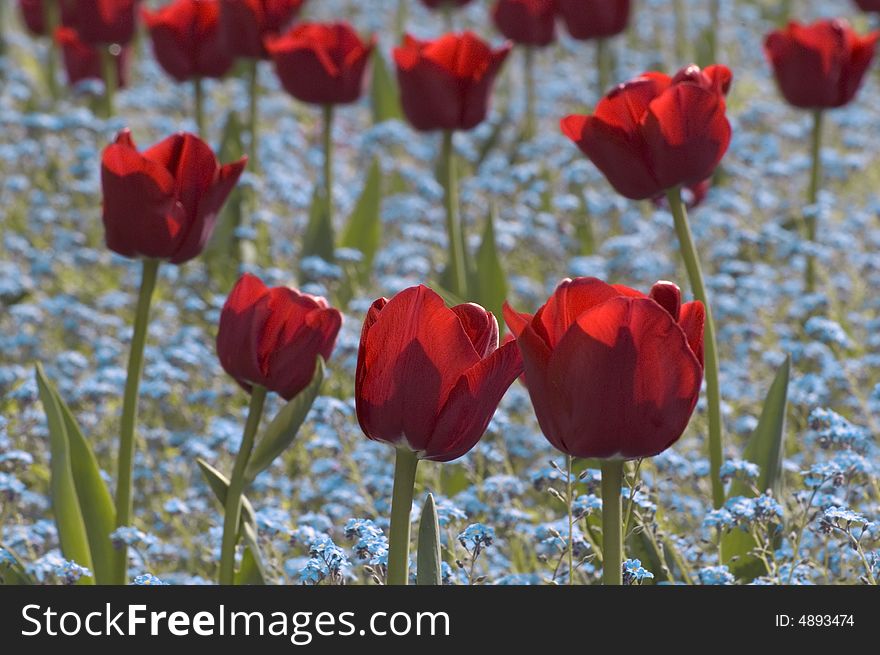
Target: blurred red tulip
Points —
{"points": [[439, 4], [321, 63], [530, 22], [163, 203], [272, 337], [429, 377], [246, 23], [821, 65], [105, 21], [33, 12], [445, 84], [82, 61], [868, 5], [594, 19], [654, 133], [187, 39], [612, 373]]}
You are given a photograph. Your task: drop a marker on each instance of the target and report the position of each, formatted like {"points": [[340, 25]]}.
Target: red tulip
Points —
{"points": [[82, 61], [163, 203], [187, 39], [105, 21], [821, 65], [429, 377], [246, 23], [272, 337], [439, 4], [321, 63], [33, 13], [612, 373], [594, 19], [530, 22], [445, 84], [654, 133], [868, 5]]}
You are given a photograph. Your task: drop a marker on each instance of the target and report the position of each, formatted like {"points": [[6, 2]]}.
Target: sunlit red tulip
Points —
{"points": [[187, 39], [247, 23], [594, 19], [821, 65], [82, 61], [163, 202], [272, 337], [657, 132], [321, 63], [429, 377], [35, 19], [612, 373], [529, 22], [445, 84], [105, 21]]}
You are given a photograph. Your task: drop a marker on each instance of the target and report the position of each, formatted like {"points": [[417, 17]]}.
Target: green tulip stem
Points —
{"points": [[457, 272], [680, 37], [714, 29], [568, 500], [400, 19], [198, 105], [529, 75], [51, 12], [401, 506], [108, 74], [813, 195], [612, 522], [253, 116], [125, 463], [232, 513], [448, 17], [713, 392], [603, 65], [328, 168]]}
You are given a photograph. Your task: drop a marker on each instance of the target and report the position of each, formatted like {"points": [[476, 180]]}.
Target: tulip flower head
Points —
{"points": [[529, 22], [187, 39], [612, 373], [33, 12], [429, 377], [657, 132], [163, 202], [272, 337], [594, 19], [819, 66], [82, 61], [445, 84], [441, 4], [321, 63], [247, 23], [105, 21], [868, 5]]}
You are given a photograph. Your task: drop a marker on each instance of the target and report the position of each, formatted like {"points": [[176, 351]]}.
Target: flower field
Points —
{"points": [[482, 293]]}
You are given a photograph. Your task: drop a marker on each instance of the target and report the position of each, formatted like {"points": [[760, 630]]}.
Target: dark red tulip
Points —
{"points": [[530, 22], [187, 39], [163, 203], [819, 66], [105, 21], [654, 133], [321, 63], [82, 61], [272, 337], [612, 373], [445, 84], [440, 4], [594, 19], [429, 377], [247, 23], [868, 5], [35, 19]]}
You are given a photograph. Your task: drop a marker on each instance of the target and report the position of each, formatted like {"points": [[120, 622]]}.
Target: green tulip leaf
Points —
{"points": [[765, 448], [284, 427], [12, 571], [219, 484], [318, 239], [490, 281], [428, 570], [364, 229], [384, 96], [72, 533]]}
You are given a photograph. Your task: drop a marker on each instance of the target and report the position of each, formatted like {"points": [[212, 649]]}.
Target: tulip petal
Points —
{"points": [[571, 299], [238, 338], [687, 134], [515, 320], [472, 403], [629, 378], [480, 326], [668, 296], [693, 321]]}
